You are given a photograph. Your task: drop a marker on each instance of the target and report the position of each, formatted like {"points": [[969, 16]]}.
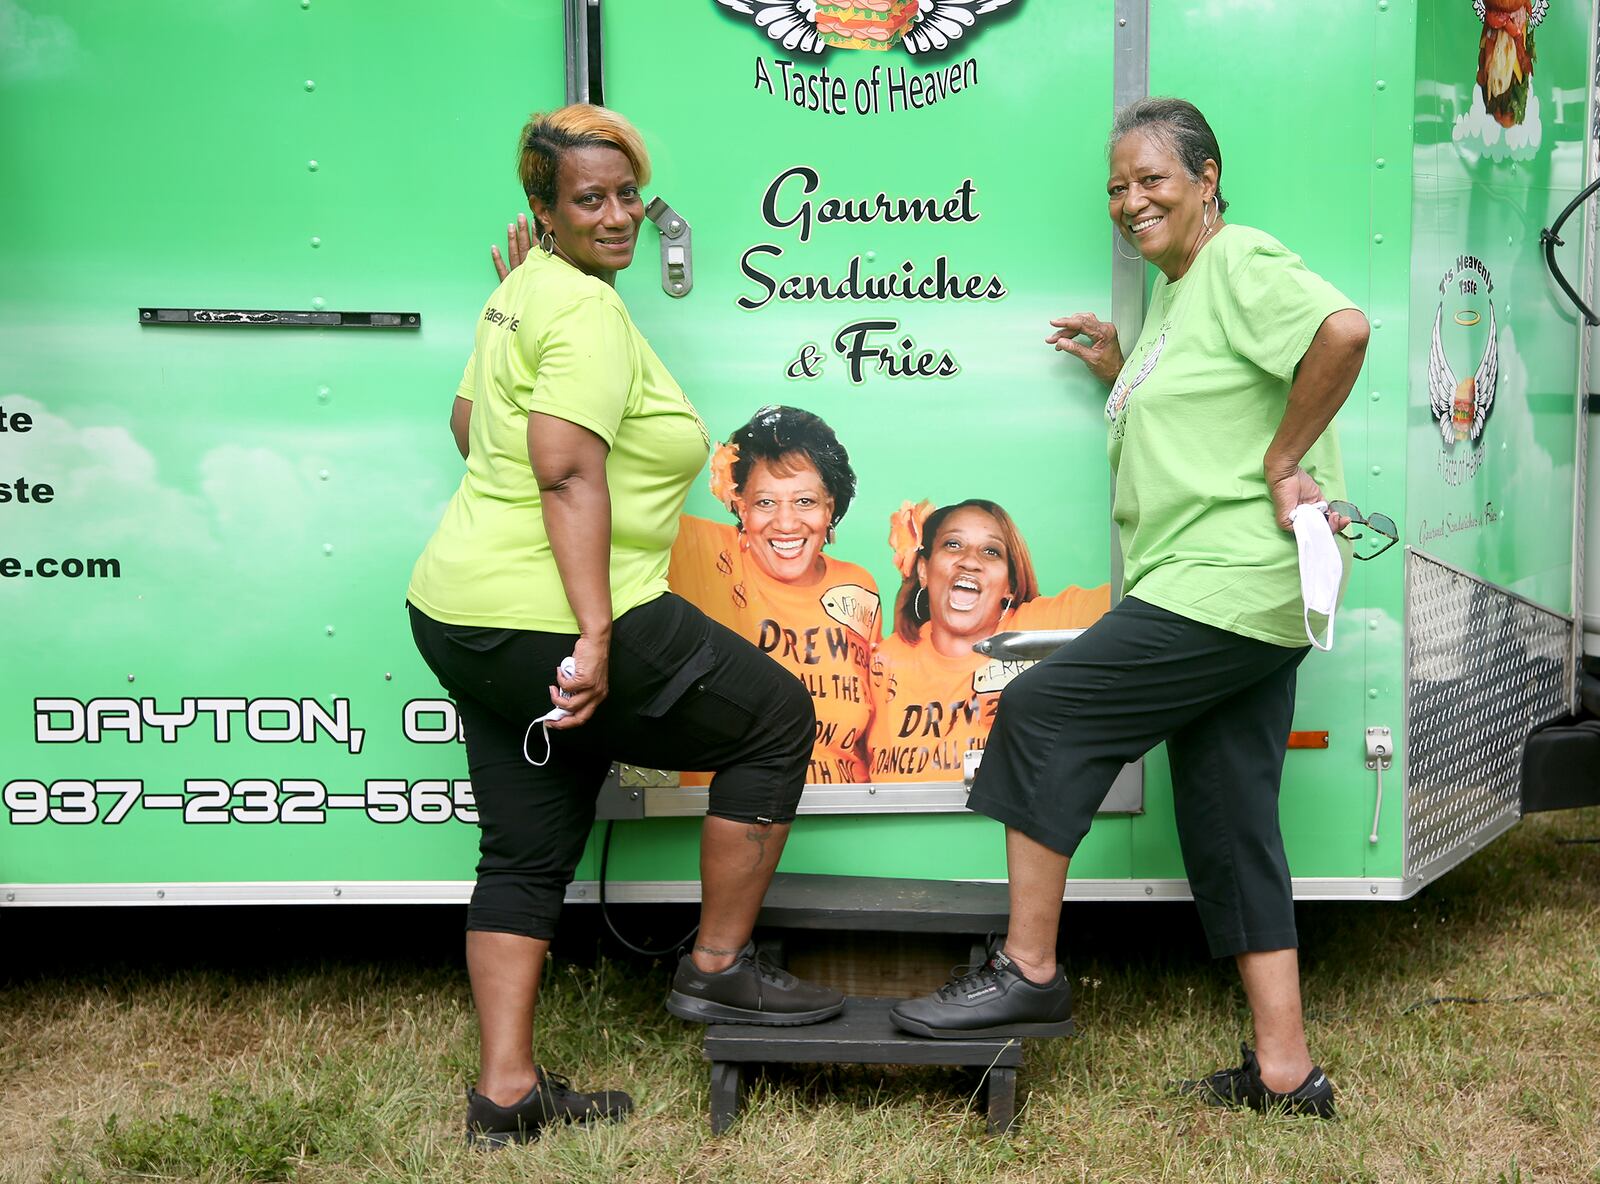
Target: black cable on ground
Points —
{"points": [[1438, 999], [605, 912]]}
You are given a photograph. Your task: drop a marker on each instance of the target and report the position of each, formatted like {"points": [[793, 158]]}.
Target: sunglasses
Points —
{"points": [[1379, 535]]}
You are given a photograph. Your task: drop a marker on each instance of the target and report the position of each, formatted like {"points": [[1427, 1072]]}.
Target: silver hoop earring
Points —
{"points": [[916, 601], [1216, 212], [547, 243], [1116, 242]]}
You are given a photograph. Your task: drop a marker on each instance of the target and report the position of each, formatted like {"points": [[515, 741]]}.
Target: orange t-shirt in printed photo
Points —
{"points": [[930, 710], [823, 633]]}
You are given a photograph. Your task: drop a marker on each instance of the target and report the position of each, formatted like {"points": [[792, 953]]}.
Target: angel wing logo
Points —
{"points": [[814, 26], [1462, 407], [1123, 389]]}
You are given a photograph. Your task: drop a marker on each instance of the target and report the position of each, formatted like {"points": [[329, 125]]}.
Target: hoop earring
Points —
{"points": [[916, 601], [1216, 212], [829, 539], [1116, 242], [547, 243], [1006, 605]]}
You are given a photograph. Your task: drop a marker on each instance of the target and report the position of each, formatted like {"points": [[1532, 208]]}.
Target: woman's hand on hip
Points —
{"points": [[582, 692], [1295, 487], [519, 241], [1103, 353]]}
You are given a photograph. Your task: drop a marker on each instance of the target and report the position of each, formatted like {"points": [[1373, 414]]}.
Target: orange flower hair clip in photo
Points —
{"points": [[722, 462], [905, 534]]}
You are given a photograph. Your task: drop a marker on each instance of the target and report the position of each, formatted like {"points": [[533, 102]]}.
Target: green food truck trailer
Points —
{"points": [[245, 250]]}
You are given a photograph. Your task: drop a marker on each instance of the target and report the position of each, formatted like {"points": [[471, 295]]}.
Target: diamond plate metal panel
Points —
{"points": [[1483, 668]]}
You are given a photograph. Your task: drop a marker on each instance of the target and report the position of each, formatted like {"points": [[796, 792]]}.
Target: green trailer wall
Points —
{"points": [[265, 491]]}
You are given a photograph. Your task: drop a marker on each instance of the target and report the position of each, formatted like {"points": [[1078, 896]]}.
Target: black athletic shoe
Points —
{"points": [[751, 991], [990, 999], [1243, 1087], [551, 1101]]}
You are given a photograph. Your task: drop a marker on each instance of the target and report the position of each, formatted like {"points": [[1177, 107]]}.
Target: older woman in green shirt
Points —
{"points": [[1218, 429]]}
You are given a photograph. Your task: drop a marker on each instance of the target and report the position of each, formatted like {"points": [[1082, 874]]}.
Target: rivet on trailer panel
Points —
{"points": [[1382, 85], [305, 3], [1373, 624], [130, 678], [1381, 161], [1377, 238], [387, 676], [316, 240], [1372, 692], [330, 630], [310, 85], [1375, 396], [1377, 322], [1376, 471], [322, 474], [323, 394], [327, 548], [312, 165], [318, 303]]}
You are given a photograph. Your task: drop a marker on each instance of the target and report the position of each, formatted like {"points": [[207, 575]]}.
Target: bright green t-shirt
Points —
{"points": [[555, 341], [1192, 413]]}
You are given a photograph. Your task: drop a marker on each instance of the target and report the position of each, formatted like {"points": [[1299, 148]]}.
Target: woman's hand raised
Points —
{"points": [[519, 241], [1103, 353]]}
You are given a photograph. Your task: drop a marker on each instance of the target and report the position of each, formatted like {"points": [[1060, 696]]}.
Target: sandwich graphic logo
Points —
{"points": [[815, 26], [1461, 407], [1503, 120]]}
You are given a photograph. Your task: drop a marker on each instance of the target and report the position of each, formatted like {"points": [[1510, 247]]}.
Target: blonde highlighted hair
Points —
{"points": [[548, 136]]}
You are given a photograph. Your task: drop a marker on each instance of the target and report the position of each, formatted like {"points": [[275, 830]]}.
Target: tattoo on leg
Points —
{"points": [[714, 951], [759, 835]]}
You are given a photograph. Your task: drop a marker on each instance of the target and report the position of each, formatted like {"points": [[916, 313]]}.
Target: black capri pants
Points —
{"points": [[685, 693], [1224, 704]]}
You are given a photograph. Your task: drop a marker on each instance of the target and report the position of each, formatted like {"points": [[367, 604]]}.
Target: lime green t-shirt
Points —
{"points": [[1198, 401], [555, 341]]}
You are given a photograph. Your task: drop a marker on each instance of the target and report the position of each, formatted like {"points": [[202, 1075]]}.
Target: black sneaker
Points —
{"points": [[550, 1101], [990, 999], [751, 991], [1243, 1087]]}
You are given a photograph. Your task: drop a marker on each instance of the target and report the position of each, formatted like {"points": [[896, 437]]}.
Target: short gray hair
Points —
{"points": [[1179, 124]]}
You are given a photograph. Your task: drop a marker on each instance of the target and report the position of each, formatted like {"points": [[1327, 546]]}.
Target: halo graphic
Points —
{"points": [[1467, 317]]}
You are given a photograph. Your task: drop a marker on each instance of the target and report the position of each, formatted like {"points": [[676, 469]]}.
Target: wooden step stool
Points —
{"points": [[862, 1034]]}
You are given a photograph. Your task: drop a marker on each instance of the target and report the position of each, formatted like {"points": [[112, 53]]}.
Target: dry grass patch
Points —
{"points": [[352, 1070]]}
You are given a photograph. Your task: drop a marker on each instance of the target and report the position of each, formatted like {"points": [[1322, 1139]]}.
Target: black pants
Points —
{"points": [[1223, 703], [685, 693]]}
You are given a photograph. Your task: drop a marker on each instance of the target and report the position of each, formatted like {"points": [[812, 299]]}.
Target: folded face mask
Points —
{"points": [[1321, 566]]}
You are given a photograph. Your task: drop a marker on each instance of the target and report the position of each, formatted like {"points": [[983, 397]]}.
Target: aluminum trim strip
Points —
{"points": [[588, 892]]}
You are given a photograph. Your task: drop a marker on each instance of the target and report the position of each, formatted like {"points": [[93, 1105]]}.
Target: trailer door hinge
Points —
{"points": [[1380, 755], [677, 248]]}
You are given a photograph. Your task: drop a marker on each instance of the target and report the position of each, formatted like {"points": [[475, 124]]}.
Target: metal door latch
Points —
{"points": [[677, 248], [1380, 754]]}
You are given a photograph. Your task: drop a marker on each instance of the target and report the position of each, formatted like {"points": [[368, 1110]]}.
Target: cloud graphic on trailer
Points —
{"points": [[793, 23], [1499, 143], [250, 528], [35, 47]]}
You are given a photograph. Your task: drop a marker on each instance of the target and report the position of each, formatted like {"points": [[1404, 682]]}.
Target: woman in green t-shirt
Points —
{"points": [[541, 603], [1218, 423]]}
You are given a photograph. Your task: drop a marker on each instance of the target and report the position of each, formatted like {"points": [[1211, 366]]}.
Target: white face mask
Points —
{"points": [[1321, 565]]}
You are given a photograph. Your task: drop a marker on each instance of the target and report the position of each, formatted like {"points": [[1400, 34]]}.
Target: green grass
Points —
{"points": [[353, 1069]]}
